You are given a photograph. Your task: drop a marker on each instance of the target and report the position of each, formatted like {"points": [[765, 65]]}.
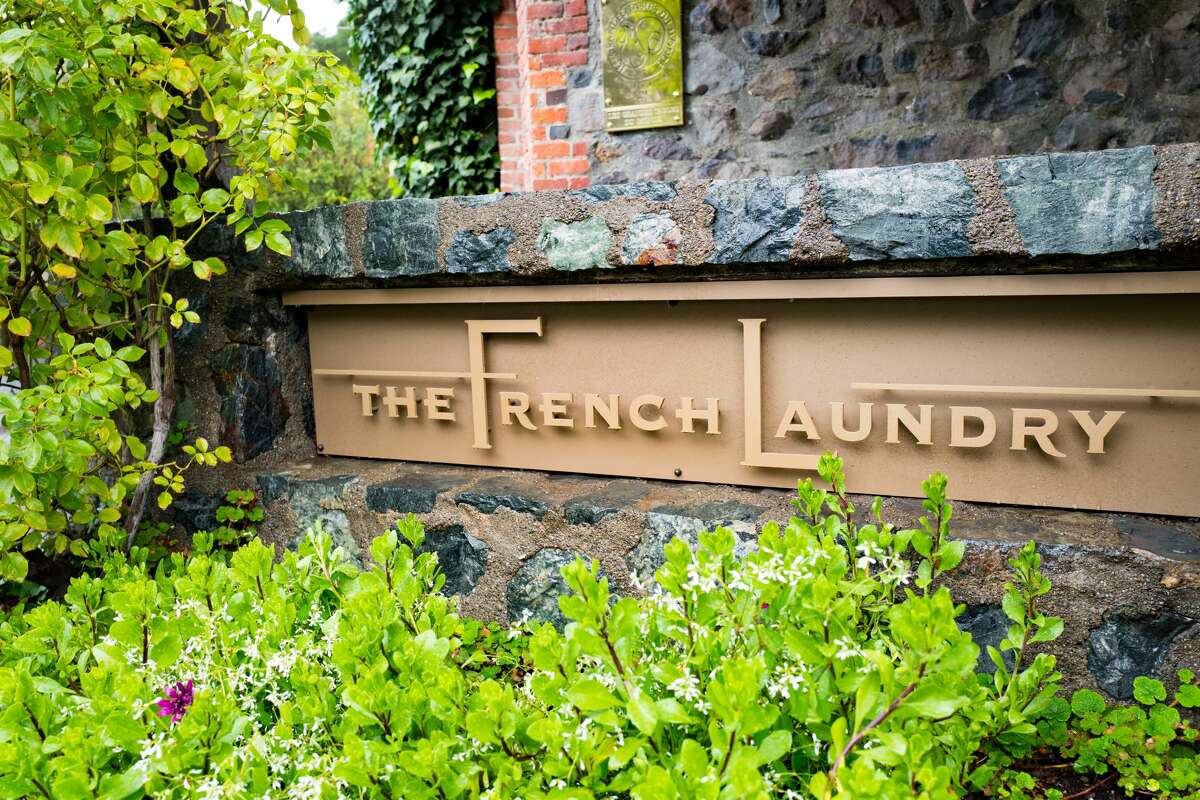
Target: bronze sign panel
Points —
{"points": [[642, 47], [1047, 392]]}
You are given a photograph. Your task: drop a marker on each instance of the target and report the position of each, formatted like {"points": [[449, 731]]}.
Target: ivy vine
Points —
{"points": [[429, 86]]}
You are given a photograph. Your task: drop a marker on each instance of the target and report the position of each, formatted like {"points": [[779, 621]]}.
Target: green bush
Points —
{"points": [[126, 129], [823, 664], [427, 77]]}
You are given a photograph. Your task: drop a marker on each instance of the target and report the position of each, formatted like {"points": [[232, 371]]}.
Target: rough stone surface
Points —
{"points": [[715, 73], [988, 626], [577, 245], [252, 407], [319, 247], [771, 43], [1083, 203], [756, 220], [664, 523], [534, 591], [412, 494], [462, 557], [321, 502], [770, 124], [197, 511], [490, 494], [589, 509], [1126, 646], [472, 253], [1018, 91], [900, 212], [651, 239], [401, 238]]}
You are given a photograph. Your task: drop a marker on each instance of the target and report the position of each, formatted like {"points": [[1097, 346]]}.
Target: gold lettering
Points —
{"points": [[641, 422], [921, 429], [476, 328], [437, 403], [367, 394], [752, 406], [1021, 429], [796, 419], [839, 422], [593, 405], [554, 410], [688, 414], [1096, 431], [958, 426], [515, 405], [408, 402]]}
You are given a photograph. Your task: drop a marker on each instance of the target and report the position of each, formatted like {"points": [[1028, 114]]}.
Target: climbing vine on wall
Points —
{"points": [[429, 86]]}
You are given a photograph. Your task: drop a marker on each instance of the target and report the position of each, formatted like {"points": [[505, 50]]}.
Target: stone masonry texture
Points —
{"points": [[798, 86]]}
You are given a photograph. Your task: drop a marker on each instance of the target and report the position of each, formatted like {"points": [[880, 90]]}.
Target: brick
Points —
{"points": [[547, 116], [547, 44], [579, 149], [567, 25], [539, 169], [504, 113], [548, 78], [537, 133], [549, 184], [508, 98], [574, 166], [577, 41], [551, 150], [578, 183], [573, 59], [575, 8], [506, 45], [505, 19], [543, 10]]}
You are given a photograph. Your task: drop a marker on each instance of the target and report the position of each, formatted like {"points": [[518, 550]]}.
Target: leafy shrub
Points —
{"points": [[126, 128], [426, 70], [822, 664]]}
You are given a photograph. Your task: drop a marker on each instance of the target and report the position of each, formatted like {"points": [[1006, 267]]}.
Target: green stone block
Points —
{"points": [[577, 245]]}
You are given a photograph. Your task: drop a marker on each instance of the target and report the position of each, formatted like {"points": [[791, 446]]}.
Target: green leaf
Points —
{"points": [[131, 353], [1148, 691], [591, 695], [143, 188], [1086, 701], [935, 701], [278, 242], [774, 747], [643, 713], [20, 326]]}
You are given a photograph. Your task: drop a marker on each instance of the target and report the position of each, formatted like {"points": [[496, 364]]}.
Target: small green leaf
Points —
{"points": [[20, 326], [143, 188], [1148, 691], [278, 242]]}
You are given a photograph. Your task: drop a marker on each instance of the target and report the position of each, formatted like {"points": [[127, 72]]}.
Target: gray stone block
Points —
{"points": [[920, 211], [462, 558], [472, 253], [319, 248], [1084, 203], [756, 219], [321, 501], [490, 494], [655, 191], [651, 239], [1124, 647], [534, 591], [253, 410], [666, 522], [987, 625], [401, 238], [588, 509], [411, 494]]}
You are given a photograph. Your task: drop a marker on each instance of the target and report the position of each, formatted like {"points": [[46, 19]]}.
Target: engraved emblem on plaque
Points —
{"points": [[643, 64]]}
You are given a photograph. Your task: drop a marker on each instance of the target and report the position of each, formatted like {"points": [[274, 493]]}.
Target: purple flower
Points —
{"points": [[176, 703], [765, 605]]}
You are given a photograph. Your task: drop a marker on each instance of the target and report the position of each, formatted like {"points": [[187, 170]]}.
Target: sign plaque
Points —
{"points": [[642, 46], [1064, 391]]}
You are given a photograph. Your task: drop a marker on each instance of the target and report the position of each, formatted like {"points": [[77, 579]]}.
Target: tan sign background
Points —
{"points": [[1030, 354]]}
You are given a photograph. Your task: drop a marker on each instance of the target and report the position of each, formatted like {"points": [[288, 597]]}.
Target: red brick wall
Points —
{"points": [[537, 42]]}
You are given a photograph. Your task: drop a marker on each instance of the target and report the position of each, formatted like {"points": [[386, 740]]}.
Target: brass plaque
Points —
{"points": [[642, 47], [1072, 397]]}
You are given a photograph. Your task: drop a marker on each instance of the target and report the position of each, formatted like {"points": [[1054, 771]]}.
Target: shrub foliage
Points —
{"points": [[426, 70], [823, 664], [127, 127]]}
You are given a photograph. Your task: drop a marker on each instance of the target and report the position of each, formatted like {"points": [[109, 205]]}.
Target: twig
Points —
{"points": [[1092, 788]]}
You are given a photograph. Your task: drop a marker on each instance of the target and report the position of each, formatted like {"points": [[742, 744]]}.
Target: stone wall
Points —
{"points": [[1128, 585], [785, 87]]}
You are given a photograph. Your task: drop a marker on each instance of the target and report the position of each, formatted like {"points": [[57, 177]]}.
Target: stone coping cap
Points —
{"points": [[1141, 200]]}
